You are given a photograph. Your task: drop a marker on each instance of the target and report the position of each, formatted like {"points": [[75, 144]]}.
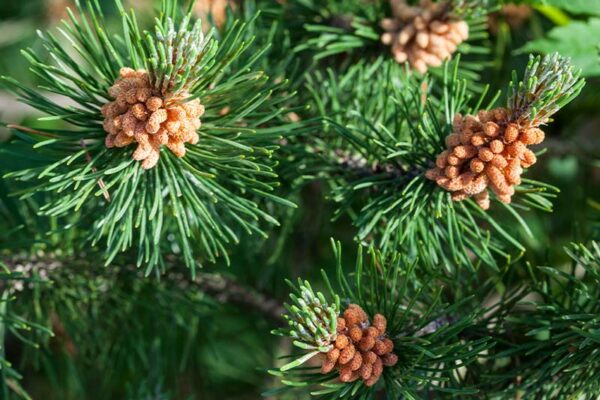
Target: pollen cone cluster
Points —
{"points": [[422, 35], [361, 349], [141, 115], [486, 151]]}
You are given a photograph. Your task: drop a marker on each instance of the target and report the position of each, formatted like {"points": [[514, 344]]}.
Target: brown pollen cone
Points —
{"points": [[486, 151], [217, 9], [423, 35], [515, 15], [141, 115], [361, 349]]}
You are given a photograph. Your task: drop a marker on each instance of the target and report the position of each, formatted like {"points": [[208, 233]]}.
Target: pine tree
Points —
{"points": [[299, 199]]}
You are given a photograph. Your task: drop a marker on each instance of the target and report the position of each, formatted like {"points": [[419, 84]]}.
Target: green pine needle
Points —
{"points": [[195, 207]]}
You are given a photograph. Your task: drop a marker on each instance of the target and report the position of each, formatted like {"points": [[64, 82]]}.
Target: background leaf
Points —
{"points": [[588, 7], [579, 40]]}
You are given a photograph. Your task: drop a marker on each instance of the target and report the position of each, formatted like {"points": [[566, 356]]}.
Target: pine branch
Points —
{"points": [[379, 117], [355, 164], [204, 196], [551, 339], [24, 269], [102, 312], [226, 290], [429, 335], [536, 339]]}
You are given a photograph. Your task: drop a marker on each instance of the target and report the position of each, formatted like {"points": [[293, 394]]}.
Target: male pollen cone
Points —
{"points": [[424, 35], [486, 151], [361, 349], [139, 114]]}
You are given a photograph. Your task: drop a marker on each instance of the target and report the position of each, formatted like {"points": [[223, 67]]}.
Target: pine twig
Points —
{"points": [[360, 166], [224, 289], [30, 130]]}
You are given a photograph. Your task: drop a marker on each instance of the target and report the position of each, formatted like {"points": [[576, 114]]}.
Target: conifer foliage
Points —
{"points": [[188, 159], [150, 88]]}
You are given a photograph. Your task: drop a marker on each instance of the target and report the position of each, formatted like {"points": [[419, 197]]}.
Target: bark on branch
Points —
{"points": [[223, 288]]}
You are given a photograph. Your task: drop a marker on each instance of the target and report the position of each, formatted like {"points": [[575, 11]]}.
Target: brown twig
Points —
{"points": [[224, 289], [361, 167], [30, 130]]}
